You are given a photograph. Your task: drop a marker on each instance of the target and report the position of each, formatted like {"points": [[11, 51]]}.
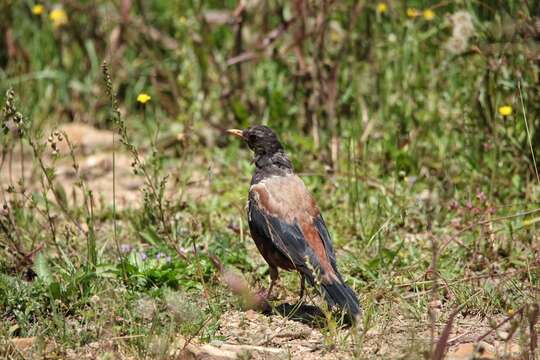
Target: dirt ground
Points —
{"points": [[252, 335], [246, 334], [395, 339]]}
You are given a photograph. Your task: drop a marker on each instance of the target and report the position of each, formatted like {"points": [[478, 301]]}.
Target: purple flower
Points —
{"points": [[481, 196], [143, 255], [159, 255], [125, 248], [453, 205]]}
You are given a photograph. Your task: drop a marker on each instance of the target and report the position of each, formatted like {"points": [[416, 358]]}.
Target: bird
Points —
{"points": [[286, 224]]}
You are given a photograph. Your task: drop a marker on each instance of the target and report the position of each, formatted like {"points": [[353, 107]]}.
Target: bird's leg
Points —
{"points": [[273, 279], [302, 286]]}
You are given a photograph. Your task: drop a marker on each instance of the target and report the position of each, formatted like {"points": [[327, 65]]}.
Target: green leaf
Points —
{"points": [[41, 268], [55, 290], [240, 110], [7, 281], [106, 271], [61, 196], [50, 173], [151, 236]]}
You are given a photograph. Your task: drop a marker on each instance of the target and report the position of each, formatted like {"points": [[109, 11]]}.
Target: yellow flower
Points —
{"points": [[38, 9], [382, 8], [412, 12], [429, 14], [143, 98], [511, 312], [58, 17], [505, 110]]}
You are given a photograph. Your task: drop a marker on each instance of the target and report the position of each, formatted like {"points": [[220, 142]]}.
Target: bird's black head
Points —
{"points": [[260, 139]]}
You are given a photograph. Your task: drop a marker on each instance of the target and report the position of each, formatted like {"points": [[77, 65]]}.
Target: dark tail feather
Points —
{"points": [[340, 295]]}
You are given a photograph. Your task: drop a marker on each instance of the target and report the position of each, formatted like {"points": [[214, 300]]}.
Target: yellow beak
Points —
{"points": [[236, 132]]}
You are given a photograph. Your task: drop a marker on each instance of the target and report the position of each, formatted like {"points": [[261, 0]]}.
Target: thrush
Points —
{"points": [[286, 224]]}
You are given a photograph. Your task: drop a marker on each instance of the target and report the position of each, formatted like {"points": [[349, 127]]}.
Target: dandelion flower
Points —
{"points": [[462, 24], [462, 31], [511, 312], [382, 8], [457, 45], [58, 17], [429, 14], [143, 98], [38, 9], [412, 12], [505, 110]]}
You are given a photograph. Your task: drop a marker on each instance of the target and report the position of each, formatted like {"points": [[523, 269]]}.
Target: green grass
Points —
{"points": [[430, 193]]}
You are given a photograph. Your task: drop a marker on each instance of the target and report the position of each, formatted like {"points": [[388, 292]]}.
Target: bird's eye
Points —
{"points": [[252, 137]]}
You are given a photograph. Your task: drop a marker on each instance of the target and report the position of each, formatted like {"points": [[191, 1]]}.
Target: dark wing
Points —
{"points": [[287, 239], [327, 240], [283, 212]]}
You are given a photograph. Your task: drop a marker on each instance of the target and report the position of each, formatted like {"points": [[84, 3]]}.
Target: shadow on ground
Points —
{"points": [[310, 315]]}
